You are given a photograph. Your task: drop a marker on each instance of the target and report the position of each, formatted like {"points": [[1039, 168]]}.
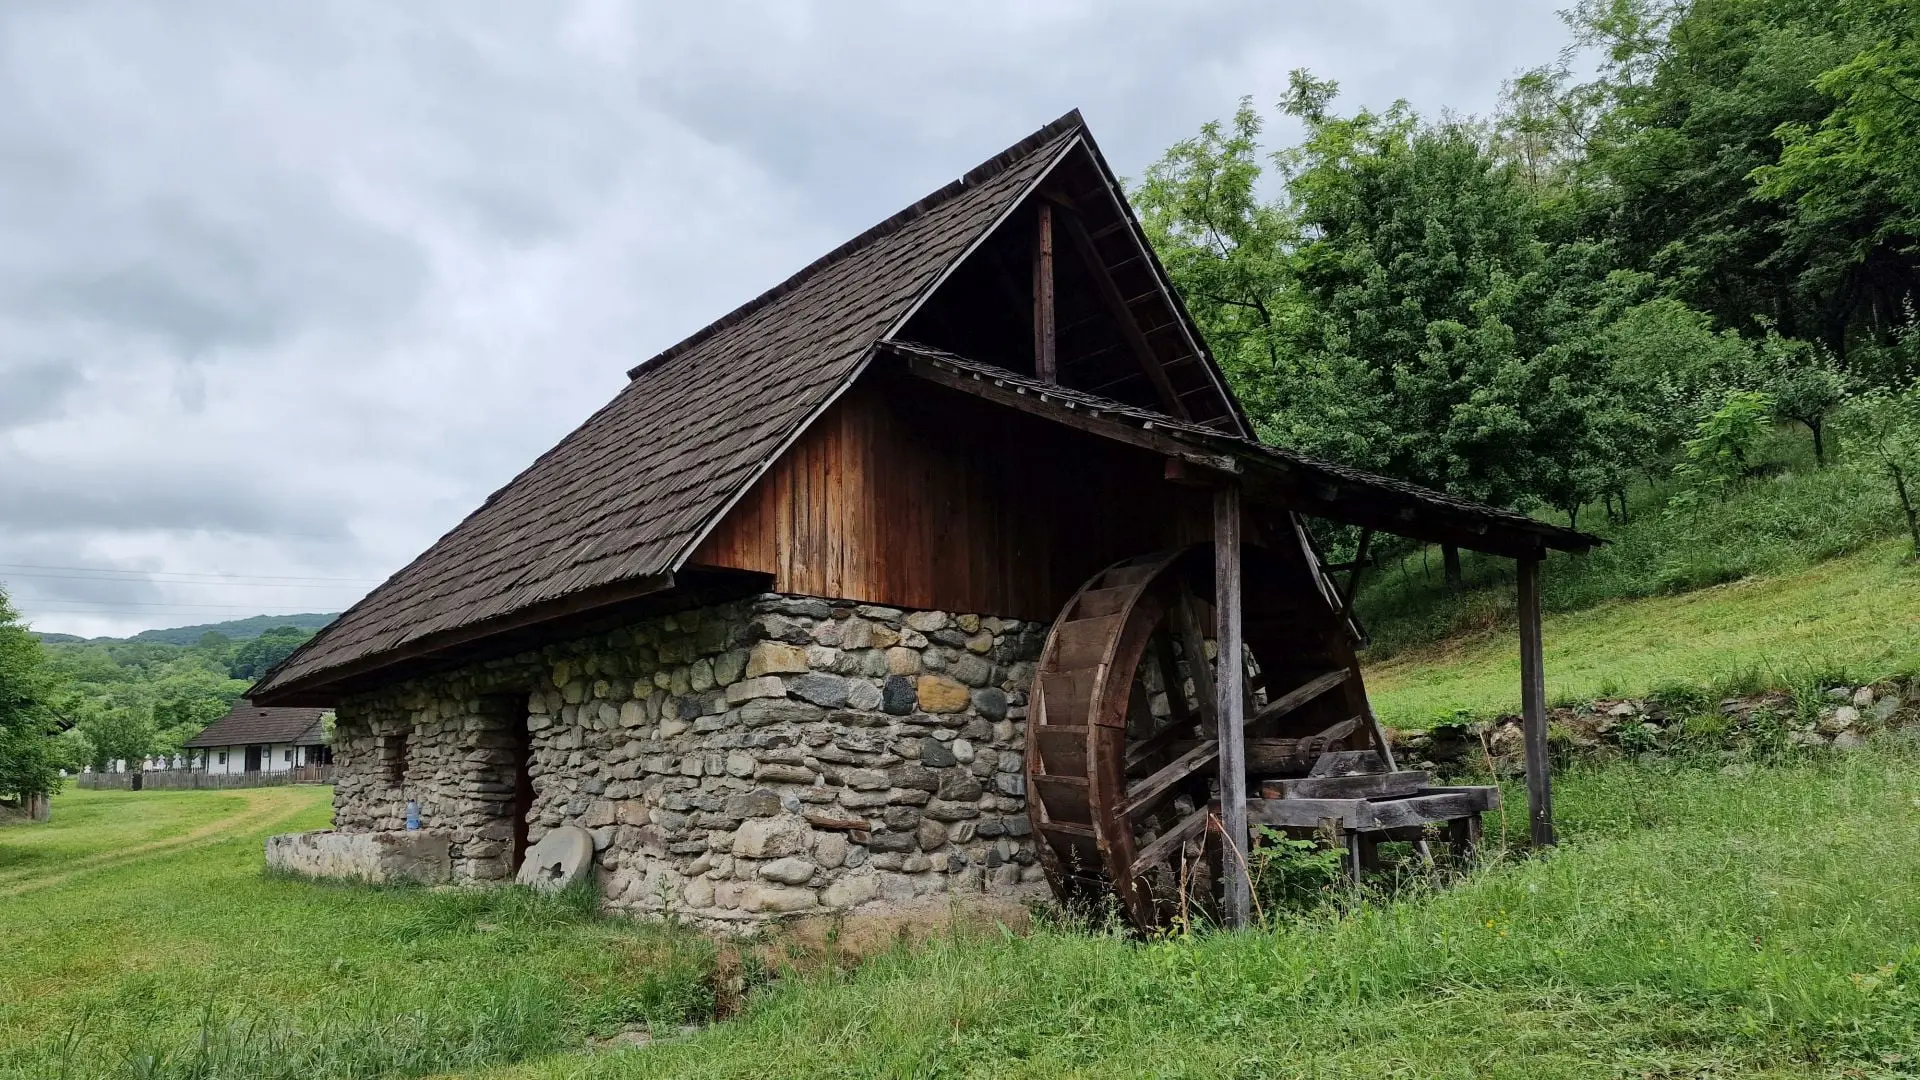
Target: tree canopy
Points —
{"points": [[1716, 228], [30, 759]]}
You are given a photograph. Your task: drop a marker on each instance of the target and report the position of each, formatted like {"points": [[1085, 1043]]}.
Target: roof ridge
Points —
{"points": [[986, 170]]}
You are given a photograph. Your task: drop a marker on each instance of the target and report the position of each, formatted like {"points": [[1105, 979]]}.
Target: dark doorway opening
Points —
{"points": [[253, 759], [522, 783]]}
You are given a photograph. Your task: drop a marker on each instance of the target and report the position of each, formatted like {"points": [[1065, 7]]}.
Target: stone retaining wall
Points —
{"points": [[773, 755], [367, 856]]}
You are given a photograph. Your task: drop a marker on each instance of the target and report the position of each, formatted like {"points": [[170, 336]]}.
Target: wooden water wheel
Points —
{"points": [[1121, 748]]}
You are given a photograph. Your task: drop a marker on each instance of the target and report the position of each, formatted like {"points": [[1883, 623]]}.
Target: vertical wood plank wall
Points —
{"points": [[912, 496]]}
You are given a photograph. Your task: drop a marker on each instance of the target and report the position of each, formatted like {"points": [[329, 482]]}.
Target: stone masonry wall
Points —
{"points": [[768, 756]]}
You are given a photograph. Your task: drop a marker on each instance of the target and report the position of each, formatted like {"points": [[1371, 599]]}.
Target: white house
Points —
{"points": [[251, 739]]}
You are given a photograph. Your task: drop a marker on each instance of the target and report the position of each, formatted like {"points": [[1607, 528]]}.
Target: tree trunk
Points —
{"points": [[1906, 503], [1819, 444], [1450, 559]]}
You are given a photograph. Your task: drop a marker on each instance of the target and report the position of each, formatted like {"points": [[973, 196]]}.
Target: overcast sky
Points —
{"points": [[287, 289]]}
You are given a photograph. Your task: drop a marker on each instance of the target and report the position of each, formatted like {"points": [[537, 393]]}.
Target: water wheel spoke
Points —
{"points": [[1157, 743], [1140, 793], [1169, 842], [1193, 644], [1295, 698]]}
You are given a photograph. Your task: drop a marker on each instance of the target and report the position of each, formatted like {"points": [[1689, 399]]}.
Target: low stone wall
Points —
{"points": [[422, 857], [738, 762], [1737, 728]]}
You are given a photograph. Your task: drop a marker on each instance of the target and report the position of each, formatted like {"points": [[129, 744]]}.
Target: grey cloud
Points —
{"points": [[35, 389], [288, 288], [138, 498]]}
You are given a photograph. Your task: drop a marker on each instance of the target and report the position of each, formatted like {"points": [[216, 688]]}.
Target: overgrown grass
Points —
{"points": [[1694, 925], [1778, 525], [142, 939], [1846, 620]]}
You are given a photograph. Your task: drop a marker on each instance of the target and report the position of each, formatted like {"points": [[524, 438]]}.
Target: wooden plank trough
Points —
{"points": [[1351, 798]]}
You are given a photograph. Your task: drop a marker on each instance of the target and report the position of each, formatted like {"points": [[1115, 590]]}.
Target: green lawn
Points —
{"points": [[1695, 924], [143, 939], [1859, 614]]}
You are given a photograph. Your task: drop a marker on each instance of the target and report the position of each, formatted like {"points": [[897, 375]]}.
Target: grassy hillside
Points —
{"points": [[1778, 525], [1695, 924], [1852, 619]]}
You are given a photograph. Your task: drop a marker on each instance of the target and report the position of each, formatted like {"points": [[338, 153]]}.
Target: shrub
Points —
{"points": [[1293, 876]]}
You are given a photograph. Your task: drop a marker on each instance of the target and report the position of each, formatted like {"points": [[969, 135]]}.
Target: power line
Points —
{"points": [[14, 574], [28, 601], [185, 573]]}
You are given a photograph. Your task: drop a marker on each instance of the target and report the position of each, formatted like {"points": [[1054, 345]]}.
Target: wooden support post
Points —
{"points": [[1463, 834], [1533, 706], [1356, 864], [1230, 706], [1045, 365]]}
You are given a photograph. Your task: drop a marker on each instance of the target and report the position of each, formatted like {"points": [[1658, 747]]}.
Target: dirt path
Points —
{"points": [[264, 809]]}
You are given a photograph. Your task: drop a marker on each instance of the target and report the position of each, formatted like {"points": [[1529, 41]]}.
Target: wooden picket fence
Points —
{"points": [[167, 779]]}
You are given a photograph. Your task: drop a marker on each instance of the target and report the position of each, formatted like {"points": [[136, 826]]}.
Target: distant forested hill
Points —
{"points": [[235, 630]]}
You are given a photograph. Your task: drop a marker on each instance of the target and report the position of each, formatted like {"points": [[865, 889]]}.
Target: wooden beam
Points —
{"points": [[1122, 315], [1386, 785], [1230, 703], [1533, 707], [1430, 806], [1045, 338], [1297, 487], [1018, 398]]}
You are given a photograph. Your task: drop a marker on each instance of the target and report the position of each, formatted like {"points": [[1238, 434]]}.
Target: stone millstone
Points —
{"points": [[562, 857]]}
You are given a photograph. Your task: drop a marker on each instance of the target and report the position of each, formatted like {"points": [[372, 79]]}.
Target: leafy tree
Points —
{"points": [[1418, 251], [1805, 383], [1719, 456], [30, 758], [1883, 426], [124, 734], [253, 659]]}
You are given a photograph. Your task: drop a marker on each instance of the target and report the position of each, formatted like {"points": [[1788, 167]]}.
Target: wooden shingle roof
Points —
{"points": [[612, 511], [251, 724]]}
